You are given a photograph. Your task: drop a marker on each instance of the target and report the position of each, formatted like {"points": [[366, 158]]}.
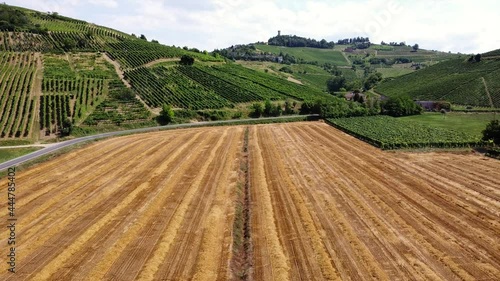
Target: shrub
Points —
{"points": [[492, 132]]}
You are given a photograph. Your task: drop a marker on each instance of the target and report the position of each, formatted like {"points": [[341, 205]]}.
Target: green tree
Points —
{"points": [[335, 83], [256, 110], [166, 114], [358, 98], [67, 127], [143, 37], [415, 47], [187, 60], [68, 44], [289, 108], [401, 106], [372, 80], [278, 110], [124, 94], [268, 108], [492, 132]]}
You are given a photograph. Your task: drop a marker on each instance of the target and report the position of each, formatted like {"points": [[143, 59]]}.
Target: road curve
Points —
{"points": [[60, 145]]}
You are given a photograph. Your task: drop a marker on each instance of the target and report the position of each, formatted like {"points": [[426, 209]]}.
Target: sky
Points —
{"points": [[446, 25]]}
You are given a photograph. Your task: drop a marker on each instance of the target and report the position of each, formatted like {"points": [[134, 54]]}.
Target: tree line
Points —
{"points": [[12, 19], [297, 41]]}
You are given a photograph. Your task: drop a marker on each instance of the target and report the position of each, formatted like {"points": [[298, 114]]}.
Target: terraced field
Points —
{"points": [[323, 206]]}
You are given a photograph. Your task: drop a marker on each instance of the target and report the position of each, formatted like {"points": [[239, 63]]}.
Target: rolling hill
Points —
{"points": [[459, 81], [313, 62], [60, 75]]}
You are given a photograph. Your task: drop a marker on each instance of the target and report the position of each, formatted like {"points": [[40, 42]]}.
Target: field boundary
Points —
{"points": [[58, 146]]}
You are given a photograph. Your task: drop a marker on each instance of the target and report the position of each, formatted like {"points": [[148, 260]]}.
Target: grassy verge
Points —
{"points": [[11, 153], [83, 130], [471, 123], [14, 142]]}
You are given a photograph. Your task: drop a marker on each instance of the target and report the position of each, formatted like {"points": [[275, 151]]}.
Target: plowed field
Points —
{"points": [[322, 206]]}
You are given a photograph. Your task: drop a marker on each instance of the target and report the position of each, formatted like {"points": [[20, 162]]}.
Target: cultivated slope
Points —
{"points": [[60, 74], [458, 81]]}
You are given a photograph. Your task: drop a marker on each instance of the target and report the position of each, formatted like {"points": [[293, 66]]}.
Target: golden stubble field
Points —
{"points": [[320, 205]]}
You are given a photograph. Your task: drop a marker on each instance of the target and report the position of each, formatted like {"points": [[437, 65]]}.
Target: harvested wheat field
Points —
{"points": [[299, 201]]}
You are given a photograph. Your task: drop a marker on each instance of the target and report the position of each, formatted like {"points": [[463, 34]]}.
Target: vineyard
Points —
{"points": [[495, 53], [161, 85], [117, 110], [259, 92], [286, 88], [392, 133], [134, 53], [18, 101], [212, 87], [229, 90], [59, 34], [73, 86], [457, 81]]}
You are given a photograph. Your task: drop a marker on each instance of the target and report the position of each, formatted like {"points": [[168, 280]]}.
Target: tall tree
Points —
{"points": [[187, 60], [336, 83]]}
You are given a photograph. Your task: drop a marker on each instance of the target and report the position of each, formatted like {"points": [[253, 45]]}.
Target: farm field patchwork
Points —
{"points": [[323, 206]]}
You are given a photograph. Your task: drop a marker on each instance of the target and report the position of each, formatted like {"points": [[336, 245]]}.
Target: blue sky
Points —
{"points": [[445, 25]]}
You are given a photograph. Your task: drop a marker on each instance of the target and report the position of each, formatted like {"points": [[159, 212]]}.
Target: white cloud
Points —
{"points": [[447, 25], [104, 3]]}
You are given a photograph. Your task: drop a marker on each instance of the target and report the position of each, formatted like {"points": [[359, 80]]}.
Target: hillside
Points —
{"points": [[458, 81], [63, 76], [312, 62]]}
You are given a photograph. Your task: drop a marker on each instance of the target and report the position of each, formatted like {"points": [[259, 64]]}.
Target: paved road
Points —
{"points": [[60, 145]]}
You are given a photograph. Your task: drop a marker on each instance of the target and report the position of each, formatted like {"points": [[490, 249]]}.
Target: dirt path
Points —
{"points": [[118, 69], [323, 206], [149, 64], [291, 79], [346, 57], [488, 92], [120, 73]]}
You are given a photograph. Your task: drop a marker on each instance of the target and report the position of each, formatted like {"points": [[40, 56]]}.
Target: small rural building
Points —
{"points": [[434, 105], [426, 105], [351, 95]]}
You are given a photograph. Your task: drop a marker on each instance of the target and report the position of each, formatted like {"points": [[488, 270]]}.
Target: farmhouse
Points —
{"points": [[434, 105], [427, 105], [350, 96]]}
